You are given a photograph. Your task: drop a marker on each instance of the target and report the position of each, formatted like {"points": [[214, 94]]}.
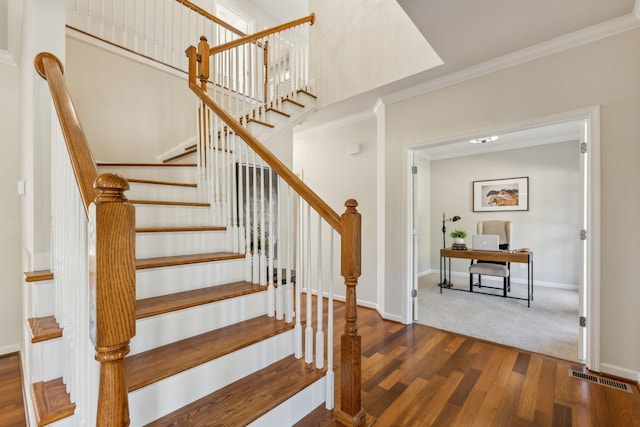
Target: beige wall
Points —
{"points": [[603, 73], [337, 176], [129, 111], [353, 51], [10, 226]]}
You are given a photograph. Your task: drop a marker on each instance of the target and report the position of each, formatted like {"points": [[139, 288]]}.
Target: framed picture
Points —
{"points": [[509, 194]]}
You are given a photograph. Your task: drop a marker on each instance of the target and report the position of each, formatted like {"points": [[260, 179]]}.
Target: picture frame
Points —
{"points": [[506, 194]]}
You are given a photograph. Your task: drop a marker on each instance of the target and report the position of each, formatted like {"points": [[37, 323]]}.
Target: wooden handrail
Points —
{"points": [[211, 17], [320, 206], [84, 166], [261, 34], [112, 266]]}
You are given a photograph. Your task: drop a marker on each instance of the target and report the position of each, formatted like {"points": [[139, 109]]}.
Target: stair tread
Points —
{"points": [[275, 110], [142, 164], [51, 401], [155, 182], [166, 303], [260, 122], [180, 229], [168, 203], [44, 328], [166, 261], [181, 155], [38, 276], [162, 362], [235, 405], [294, 102], [306, 92]]}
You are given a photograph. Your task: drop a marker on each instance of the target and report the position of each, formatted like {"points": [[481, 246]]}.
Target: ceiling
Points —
{"points": [[468, 33]]}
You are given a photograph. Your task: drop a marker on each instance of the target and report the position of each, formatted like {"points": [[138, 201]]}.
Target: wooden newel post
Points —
{"points": [[112, 273], [351, 412], [203, 60]]}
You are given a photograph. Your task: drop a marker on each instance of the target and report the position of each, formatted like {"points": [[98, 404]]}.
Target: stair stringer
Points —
{"points": [[151, 402]]}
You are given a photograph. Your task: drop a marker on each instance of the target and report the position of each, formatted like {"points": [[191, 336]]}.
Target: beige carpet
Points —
{"points": [[549, 326]]}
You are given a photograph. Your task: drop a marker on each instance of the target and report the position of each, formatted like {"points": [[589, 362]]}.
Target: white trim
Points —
{"points": [[519, 281], [336, 124], [619, 371], [116, 50], [11, 56], [559, 44], [8, 349], [592, 116]]}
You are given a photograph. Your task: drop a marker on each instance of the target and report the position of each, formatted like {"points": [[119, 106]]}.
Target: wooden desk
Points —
{"points": [[498, 256]]}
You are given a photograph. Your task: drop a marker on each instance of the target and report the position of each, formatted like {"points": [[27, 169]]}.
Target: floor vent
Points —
{"points": [[618, 385]]}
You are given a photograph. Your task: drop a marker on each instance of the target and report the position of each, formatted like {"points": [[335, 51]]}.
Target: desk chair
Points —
{"points": [[488, 268]]}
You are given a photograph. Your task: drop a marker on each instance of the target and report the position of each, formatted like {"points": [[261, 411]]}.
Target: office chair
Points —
{"points": [[490, 268]]}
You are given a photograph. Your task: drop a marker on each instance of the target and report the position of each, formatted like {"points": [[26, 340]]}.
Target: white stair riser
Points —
{"points": [[46, 360], [158, 399], [295, 408], [150, 245], [166, 328], [167, 280], [174, 193], [184, 174], [173, 216], [41, 299]]}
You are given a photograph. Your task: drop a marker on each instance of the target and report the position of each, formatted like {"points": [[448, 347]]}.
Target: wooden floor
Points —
{"points": [[419, 376], [11, 404]]}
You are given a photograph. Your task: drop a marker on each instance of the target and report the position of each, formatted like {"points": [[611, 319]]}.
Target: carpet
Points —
{"points": [[549, 326]]}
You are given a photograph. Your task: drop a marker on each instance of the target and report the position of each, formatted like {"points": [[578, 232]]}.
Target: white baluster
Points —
{"points": [[278, 276], [242, 247], [329, 388], [254, 226], [248, 277], [263, 236], [319, 301], [308, 337], [299, 283], [288, 286]]}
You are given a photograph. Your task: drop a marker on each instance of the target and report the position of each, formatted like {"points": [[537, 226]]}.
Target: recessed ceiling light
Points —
{"points": [[484, 140]]}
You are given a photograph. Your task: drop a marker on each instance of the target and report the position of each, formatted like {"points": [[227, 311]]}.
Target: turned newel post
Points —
{"points": [[112, 279], [351, 412], [203, 62]]}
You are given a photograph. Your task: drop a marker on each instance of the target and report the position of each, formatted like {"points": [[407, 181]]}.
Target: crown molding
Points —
{"points": [[559, 44], [335, 124]]}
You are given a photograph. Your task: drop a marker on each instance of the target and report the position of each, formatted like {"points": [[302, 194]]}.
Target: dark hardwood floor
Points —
{"points": [[11, 403], [419, 376]]}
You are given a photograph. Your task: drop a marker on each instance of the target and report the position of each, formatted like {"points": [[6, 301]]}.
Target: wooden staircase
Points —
{"points": [[194, 296], [159, 282]]}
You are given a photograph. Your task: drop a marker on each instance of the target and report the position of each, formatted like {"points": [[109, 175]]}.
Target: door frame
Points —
{"points": [[590, 289]]}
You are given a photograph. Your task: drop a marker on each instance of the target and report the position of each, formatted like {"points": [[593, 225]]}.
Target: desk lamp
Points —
{"points": [[444, 244]]}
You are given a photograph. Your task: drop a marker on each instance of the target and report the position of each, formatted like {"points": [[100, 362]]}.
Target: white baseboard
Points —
{"points": [[556, 285], [8, 349], [619, 371]]}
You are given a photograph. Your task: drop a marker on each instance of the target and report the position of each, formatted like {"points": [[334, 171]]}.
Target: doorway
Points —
{"points": [[585, 139]]}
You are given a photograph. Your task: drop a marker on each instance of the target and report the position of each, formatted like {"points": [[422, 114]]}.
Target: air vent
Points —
{"points": [[618, 385]]}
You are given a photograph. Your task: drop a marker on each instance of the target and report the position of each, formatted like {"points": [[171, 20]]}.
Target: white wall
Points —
{"points": [[129, 111], [550, 227], [360, 45], [601, 73], [10, 226], [336, 177]]}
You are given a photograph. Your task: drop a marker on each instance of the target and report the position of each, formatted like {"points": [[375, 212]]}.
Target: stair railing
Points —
{"points": [[306, 224], [155, 29], [93, 260]]}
